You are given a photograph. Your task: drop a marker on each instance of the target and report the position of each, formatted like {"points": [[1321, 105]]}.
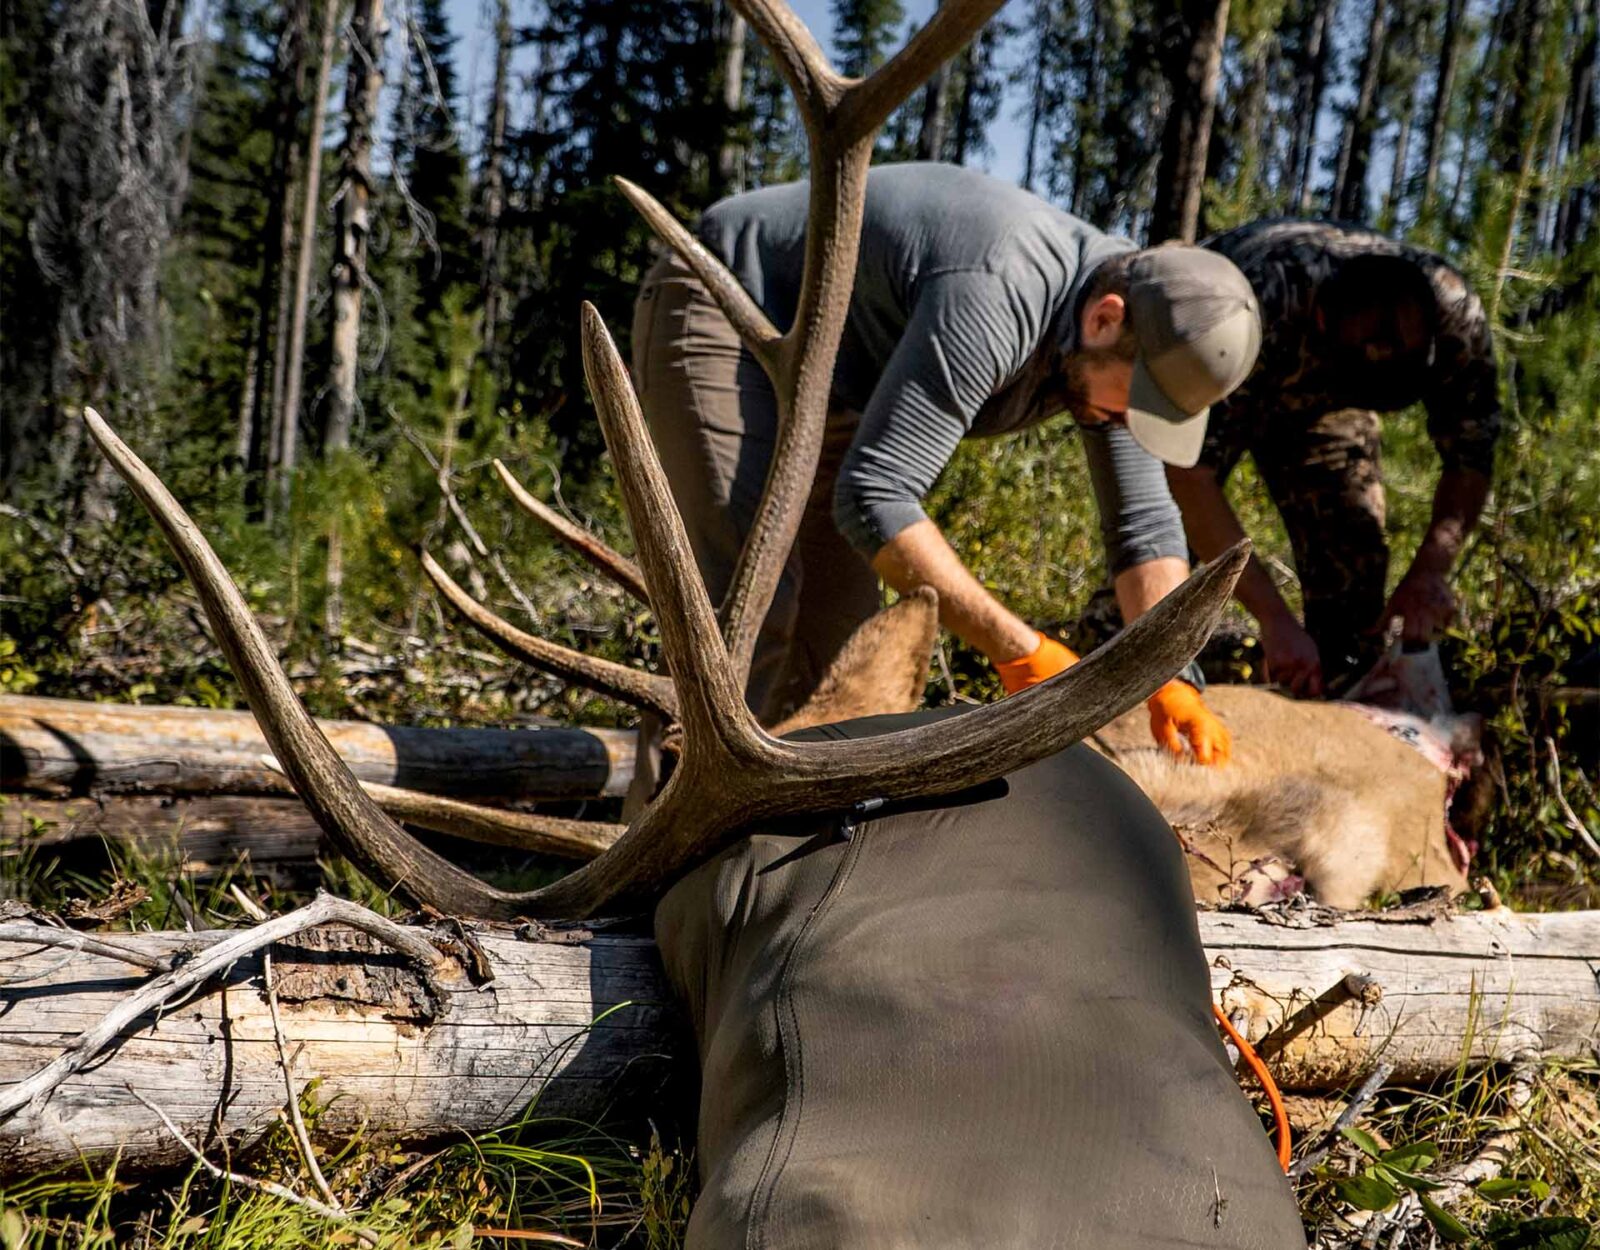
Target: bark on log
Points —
{"points": [[356, 1015], [1515, 985], [203, 835], [62, 746], [1495, 986]]}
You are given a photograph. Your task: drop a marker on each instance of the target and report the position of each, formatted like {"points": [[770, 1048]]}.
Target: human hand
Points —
{"points": [[1177, 712], [1292, 659], [1040, 664], [1424, 602]]}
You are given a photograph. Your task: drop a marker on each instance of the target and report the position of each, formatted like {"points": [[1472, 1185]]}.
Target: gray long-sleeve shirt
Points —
{"points": [[967, 291]]}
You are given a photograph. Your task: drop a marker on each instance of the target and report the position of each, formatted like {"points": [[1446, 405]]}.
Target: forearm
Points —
{"points": [[1457, 503], [1143, 586], [919, 556], [1212, 527]]}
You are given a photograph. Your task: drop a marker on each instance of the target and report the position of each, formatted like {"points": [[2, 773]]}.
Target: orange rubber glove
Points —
{"points": [[1044, 661], [1178, 712]]}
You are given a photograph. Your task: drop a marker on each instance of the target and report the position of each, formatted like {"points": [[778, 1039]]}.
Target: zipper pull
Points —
{"points": [[851, 820]]}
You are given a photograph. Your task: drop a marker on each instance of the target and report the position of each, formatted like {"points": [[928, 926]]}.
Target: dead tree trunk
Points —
{"points": [[269, 347], [492, 182], [357, 1017], [286, 439], [365, 80], [1193, 59], [732, 36], [367, 31], [930, 135], [63, 747], [201, 837], [1356, 991], [1394, 201]]}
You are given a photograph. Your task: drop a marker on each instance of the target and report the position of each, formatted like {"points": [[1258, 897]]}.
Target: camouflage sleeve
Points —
{"points": [[1231, 429], [1464, 402]]}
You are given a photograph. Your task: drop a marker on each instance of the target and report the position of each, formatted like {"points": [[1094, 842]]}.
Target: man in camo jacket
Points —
{"points": [[1354, 324]]}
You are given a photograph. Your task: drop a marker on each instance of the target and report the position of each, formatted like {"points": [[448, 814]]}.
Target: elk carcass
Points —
{"points": [[1319, 792], [944, 970]]}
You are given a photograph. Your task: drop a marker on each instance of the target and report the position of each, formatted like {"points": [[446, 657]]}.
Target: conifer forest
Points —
{"points": [[321, 263]]}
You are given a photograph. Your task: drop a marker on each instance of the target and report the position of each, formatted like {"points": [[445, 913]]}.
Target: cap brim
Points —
{"points": [[1158, 425]]}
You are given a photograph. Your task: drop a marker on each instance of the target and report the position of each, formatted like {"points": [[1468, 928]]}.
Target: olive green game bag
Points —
{"points": [[976, 1021]]}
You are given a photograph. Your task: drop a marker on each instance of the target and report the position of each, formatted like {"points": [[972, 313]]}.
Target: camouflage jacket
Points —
{"points": [[1286, 260]]}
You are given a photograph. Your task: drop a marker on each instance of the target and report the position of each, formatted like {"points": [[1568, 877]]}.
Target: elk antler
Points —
{"points": [[618, 568], [730, 772]]}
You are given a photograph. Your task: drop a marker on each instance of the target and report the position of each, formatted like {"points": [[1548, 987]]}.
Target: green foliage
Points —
{"points": [[1546, 1194], [863, 33]]}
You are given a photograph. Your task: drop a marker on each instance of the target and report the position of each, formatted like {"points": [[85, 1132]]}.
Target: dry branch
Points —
{"points": [[1517, 985]]}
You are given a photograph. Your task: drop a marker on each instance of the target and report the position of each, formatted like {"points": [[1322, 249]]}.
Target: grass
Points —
{"points": [[531, 1183], [1546, 1192]]}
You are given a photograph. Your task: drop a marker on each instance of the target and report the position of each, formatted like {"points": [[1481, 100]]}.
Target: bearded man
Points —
{"points": [[978, 309]]}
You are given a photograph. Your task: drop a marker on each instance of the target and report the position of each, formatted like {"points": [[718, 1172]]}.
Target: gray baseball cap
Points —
{"points": [[1198, 327]]}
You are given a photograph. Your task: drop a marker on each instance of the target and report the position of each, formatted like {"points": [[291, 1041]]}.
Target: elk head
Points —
{"points": [[731, 771]]}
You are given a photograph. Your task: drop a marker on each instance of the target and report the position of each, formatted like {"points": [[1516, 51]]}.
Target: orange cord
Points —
{"points": [[1280, 1116]]}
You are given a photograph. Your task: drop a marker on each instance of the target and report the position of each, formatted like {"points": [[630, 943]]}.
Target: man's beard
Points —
{"points": [[1070, 385]]}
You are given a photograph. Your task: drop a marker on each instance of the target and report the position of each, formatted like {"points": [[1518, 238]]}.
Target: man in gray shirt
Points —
{"points": [[978, 309]]}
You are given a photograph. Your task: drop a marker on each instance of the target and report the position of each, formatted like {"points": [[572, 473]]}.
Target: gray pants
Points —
{"points": [[713, 415]]}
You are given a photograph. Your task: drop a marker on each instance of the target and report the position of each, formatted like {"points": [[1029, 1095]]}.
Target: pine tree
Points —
{"points": [[223, 235], [627, 88], [776, 150], [109, 176], [1191, 55], [1451, 39], [285, 438], [427, 155], [977, 90], [367, 34], [863, 33], [1348, 197], [491, 189], [1309, 46]]}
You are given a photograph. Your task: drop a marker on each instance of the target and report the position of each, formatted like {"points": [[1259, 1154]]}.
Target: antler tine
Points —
{"points": [[840, 138], [524, 831], [643, 690], [868, 102], [614, 565], [358, 827], [757, 332], [710, 700], [799, 58]]}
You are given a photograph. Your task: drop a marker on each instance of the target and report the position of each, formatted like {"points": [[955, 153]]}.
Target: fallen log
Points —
{"points": [[201, 836], [68, 747], [1493, 985]]}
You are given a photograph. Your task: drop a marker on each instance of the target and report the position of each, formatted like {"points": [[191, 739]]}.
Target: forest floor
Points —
{"points": [[111, 619]]}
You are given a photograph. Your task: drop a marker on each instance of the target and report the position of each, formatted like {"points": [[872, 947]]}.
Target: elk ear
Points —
{"points": [[881, 669]]}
